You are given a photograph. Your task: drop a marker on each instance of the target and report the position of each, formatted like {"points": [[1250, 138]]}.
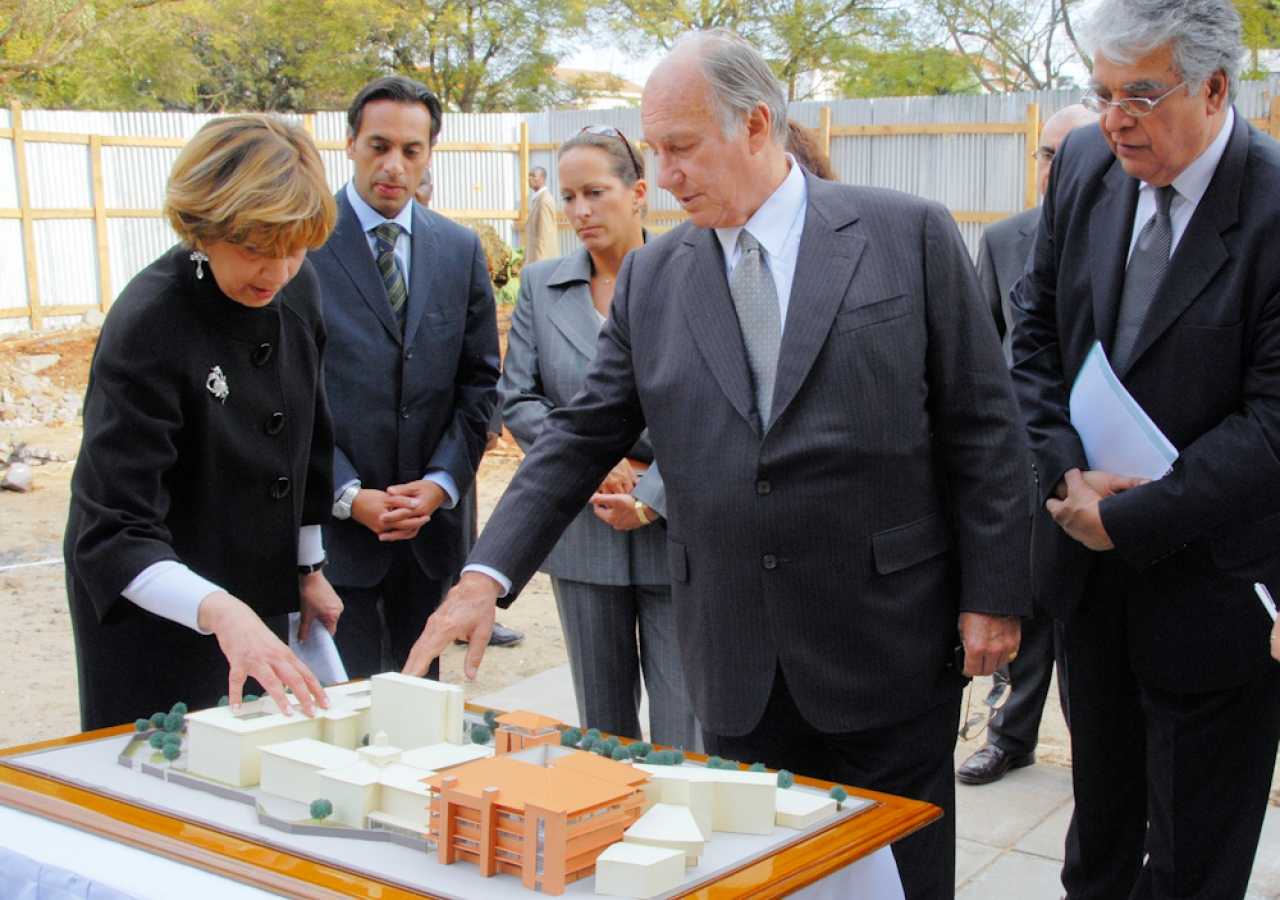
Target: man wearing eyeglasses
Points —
{"points": [[1002, 256], [1158, 241]]}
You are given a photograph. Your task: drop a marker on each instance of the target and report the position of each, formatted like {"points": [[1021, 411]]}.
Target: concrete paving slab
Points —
{"points": [[1048, 839], [551, 694], [1265, 883], [1002, 813], [972, 858], [1015, 875]]}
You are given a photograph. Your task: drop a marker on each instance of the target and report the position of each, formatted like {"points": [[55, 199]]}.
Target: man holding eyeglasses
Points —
{"points": [[1157, 241], [1002, 256]]}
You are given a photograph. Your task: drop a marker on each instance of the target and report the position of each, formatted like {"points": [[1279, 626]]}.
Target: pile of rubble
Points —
{"points": [[27, 398]]}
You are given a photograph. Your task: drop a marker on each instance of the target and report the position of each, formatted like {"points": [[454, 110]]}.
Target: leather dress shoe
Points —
{"points": [[502, 636], [989, 764]]}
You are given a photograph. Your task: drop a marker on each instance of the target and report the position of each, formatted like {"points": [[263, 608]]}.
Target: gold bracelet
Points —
{"points": [[645, 520]]}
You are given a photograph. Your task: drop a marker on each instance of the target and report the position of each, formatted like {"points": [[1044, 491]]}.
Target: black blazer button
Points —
{"points": [[771, 561], [280, 489], [763, 487], [263, 354], [275, 423], [404, 412], [408, 353]]}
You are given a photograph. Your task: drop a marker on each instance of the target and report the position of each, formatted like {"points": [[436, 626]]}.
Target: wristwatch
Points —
{"points": [[314, 567], [342, 506], [644, 520]]}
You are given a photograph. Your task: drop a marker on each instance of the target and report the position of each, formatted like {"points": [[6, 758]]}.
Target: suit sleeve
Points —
{"points": [[986, 269], [318, 504], [974, 420], [578, 445], [524, 405], [460, 448], [1043, 396], [652, 491]]}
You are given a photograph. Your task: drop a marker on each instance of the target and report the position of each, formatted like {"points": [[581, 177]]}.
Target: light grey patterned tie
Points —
{"points": [[755, 297], [1142, 279], [385, 237]]}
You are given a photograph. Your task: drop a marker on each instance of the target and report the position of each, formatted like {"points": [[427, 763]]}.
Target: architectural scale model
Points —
{"points": [[390, 755]]}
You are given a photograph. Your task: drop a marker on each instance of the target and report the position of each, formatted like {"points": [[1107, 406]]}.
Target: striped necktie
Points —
{"points": [[385, 236]]}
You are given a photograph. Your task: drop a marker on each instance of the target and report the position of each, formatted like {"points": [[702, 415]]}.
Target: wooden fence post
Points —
{"points": [[1032, 197], [824, 130], [1274, 123], [522, 187], [28, 224], [100, 222], [309, 125]]}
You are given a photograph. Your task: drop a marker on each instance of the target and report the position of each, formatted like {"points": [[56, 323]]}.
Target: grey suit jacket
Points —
{"points": [[1003, 253], [552, 340], [884, 498], [406, 404]]}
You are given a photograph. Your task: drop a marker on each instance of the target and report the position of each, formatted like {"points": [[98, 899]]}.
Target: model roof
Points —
{"points": [[529, 721], [561, 789]]}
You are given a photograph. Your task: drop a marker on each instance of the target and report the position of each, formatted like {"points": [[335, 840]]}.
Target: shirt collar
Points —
{"points": [[370, 218], [772, 222], [1195, 178]]}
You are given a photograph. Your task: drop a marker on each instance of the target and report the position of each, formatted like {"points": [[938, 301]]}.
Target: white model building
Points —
{"points": [[415, 712], [741, 802], [634, 870], [800, 809], [292, 769], [671, 826]]}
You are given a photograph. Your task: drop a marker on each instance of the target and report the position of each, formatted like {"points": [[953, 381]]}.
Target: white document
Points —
{"points": [[319, 654], [1118, 436]]}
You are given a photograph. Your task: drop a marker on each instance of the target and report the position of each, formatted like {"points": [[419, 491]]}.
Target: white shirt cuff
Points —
{"points": [[447, 484], [171, 590], [492, 573], [310, 545], [337, 495]]}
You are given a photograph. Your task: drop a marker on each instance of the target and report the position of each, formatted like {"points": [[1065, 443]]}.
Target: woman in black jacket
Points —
{"points": [[206, 468]]}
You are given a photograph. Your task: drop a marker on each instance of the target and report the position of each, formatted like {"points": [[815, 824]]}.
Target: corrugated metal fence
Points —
{"points": [[80, 192]]}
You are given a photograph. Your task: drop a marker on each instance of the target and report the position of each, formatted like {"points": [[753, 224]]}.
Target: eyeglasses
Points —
{"points": [[610, 131], [975, 724], [1134, 107], [1043, 155]]}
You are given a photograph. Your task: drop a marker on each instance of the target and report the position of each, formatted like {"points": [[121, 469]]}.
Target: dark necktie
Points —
{"points": [[755, 297], [1142, 278], [385, 239]]}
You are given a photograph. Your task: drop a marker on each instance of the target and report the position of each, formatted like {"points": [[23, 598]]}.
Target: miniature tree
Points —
{"points": [[491, 719], [224, 700], [757, 767], [364, 741], [142, 725], [662, 758], [171, 751], [321, 809], [589, 743], [157, 721], [570, 737], [180, 708], [480, 734], [838, 794], [593, 733], [605, 749], [785, 779], [156, 740], [612, 741], [171, 738], [249, 698], [620, 753], [715, 762], [174, 722], [677, 757], [640, 749]]}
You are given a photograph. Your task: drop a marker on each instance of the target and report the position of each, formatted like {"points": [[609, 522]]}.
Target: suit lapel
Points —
{"points": [[824, 268], [351, 249], [573, 313], [708, 309], [1200, 252], [424, 271], [1110, 227]]}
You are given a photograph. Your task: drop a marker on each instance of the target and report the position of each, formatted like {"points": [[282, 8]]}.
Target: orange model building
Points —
{"points": [[542, 814], [521, 730]]}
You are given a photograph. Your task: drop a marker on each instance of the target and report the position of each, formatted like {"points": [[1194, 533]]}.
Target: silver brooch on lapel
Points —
{"points": [[217, 384]]}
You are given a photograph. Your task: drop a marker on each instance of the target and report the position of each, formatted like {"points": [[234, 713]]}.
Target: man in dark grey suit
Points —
{"points": [[410, 369], [1158, 244], [1002, 257], [844, 468]]}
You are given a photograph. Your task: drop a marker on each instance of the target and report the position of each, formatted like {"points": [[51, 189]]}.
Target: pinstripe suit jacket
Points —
{"points": [[886, 496], [551, 342]]}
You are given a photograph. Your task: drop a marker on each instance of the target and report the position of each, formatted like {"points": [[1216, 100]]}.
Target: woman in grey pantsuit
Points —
{"points": [[609, 569]]}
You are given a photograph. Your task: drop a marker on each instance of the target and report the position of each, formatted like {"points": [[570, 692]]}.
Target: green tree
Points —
{"points": [[321, 809], [901, 62], [483, 55], [1260, 21]]}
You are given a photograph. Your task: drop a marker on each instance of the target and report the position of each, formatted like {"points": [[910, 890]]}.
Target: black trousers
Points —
{"points": [[380, 624], [1170, 789], [911, 759], [1015, 728]]}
